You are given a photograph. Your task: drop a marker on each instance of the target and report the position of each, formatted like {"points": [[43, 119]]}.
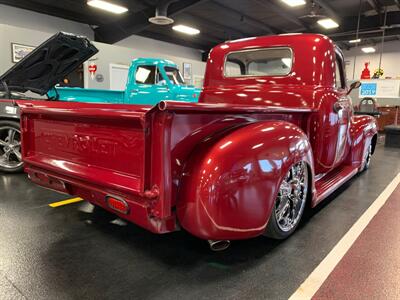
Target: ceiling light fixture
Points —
{"points": [[104, 5], [355, 41], [161, 20], [293, 3], [186, 29], [328, 23], [368, 50]]}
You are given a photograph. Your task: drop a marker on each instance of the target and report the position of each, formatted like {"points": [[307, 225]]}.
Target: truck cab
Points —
{"points": [[292, 71], [151, 80]]}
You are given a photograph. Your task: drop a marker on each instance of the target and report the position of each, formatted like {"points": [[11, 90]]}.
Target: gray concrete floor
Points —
{"points": [[71, 253]]}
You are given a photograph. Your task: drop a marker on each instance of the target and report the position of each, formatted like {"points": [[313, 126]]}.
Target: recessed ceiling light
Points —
{"points": [[294, 3], [186, 29], [368, 50], [113, 8], [328, 23], [355, 41]]}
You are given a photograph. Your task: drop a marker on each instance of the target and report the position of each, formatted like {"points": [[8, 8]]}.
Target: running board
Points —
{"points": [[333, 180]]}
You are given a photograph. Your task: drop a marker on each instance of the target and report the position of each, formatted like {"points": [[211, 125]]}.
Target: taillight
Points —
{"points": [[117, 204]]}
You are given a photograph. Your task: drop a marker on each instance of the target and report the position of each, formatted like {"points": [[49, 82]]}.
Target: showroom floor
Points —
{"points": [[68, 252]]}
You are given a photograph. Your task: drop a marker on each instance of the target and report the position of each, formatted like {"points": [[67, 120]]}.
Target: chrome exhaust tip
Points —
{"points": [[219, 245]]}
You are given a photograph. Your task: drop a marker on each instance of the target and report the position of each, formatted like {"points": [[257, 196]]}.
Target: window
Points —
{"points": [[260, 62], [174, 75], [233, 69], [146, 74], [339, 73]]}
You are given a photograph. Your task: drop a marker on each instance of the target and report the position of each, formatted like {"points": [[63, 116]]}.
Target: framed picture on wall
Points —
{"points": [[187, 71], [18, 51]]}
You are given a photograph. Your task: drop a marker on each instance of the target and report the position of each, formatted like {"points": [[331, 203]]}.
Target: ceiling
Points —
{"points": [[221, 20]]}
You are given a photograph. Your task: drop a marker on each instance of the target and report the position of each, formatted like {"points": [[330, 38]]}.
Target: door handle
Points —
{"points": [[337, 107], [134, 91]]}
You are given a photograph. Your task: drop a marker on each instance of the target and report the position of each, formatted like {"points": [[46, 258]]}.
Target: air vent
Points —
{"points": [[161, 20], [161, 13]]}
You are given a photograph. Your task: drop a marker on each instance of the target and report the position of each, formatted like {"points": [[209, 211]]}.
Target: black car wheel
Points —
{"points": [[367, 158], [10, 147]]}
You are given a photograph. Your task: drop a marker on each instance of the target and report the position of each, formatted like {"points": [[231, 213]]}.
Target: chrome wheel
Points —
{"points": [[292, 196], [10, 148]]}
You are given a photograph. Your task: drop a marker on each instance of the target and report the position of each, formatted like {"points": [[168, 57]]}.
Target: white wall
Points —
{"points": [[390, 60], [11, 34], [390, 65], [147, 44], [142, 47]]}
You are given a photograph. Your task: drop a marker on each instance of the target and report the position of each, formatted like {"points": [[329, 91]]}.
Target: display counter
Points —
{"points": [[387, 116]]}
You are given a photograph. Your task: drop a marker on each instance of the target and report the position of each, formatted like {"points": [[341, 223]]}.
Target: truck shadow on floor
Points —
{"points": [[181, 248], [138, 258]]}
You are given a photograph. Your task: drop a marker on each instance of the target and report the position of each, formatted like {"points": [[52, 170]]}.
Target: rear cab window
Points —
{"points": [[259, 62]]}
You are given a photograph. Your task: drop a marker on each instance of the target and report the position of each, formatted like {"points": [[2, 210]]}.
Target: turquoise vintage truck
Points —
{"points": [[150, 80]]}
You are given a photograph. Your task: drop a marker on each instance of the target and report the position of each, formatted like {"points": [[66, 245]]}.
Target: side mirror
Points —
{"points": [[354, 85]]}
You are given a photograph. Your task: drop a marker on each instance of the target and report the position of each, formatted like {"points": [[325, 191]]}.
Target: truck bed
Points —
{"points": [[87, 95]]}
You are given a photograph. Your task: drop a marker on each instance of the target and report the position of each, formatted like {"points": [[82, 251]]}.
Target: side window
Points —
{"points": [[339, 73], [146, 75]]}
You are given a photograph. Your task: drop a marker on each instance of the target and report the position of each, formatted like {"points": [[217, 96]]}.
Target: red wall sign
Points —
{"points": [[92, 70]]}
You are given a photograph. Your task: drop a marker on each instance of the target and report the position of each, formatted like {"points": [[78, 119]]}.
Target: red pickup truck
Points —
{"points": [[273, 134]]}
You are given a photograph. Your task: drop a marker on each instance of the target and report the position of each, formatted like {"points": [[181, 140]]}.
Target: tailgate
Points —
{"points": [[102, 145]]}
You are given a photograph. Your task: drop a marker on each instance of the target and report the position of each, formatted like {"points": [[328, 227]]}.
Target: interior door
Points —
{"points": [[118, 77]]}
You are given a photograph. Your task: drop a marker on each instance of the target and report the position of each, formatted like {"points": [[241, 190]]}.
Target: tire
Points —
{"points": [[290, 203], [10, 147], [367, 159]]}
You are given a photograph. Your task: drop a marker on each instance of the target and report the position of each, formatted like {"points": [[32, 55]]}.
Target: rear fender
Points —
{"points": [[363, 131], [229, 185]]}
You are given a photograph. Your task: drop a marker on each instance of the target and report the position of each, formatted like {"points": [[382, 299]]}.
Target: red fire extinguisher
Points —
{"points": [[366, 74]]}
